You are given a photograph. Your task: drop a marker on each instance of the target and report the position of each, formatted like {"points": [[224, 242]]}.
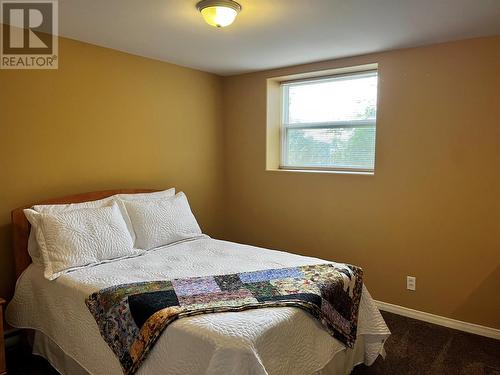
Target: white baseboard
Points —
{"points": [[440, 320]]}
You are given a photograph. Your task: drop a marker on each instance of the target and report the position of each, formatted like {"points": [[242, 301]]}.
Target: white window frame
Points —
{"points": [[285, 124]]}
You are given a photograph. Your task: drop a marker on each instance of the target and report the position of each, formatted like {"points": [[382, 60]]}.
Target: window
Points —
{"points": [[329, 123]]}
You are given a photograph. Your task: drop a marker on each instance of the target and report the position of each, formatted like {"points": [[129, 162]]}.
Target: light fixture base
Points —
{"points": [[218, 3]]}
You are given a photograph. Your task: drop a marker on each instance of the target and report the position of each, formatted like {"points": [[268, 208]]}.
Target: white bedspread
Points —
{"points": [[283, 340]]}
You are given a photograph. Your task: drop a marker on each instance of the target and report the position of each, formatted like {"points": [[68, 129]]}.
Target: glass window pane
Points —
{"points": [[340, 99], [333, 148]]}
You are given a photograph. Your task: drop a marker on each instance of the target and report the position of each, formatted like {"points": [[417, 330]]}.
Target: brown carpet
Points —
{"points": [[415, 348], [419, 348]]}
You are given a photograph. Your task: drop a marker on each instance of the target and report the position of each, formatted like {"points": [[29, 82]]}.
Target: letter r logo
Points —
{"points": [[27, 27]]}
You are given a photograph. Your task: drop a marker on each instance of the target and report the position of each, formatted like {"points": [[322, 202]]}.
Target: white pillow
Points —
{"points": [[162, 222], [34, 249], [78, 238], [169, 193], [55, 208]]}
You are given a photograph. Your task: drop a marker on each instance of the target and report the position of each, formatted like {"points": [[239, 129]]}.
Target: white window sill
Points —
{"points": [[327, 171]]}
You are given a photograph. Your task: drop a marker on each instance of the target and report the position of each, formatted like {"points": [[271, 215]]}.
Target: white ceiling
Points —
{"points": [[273, 33]]}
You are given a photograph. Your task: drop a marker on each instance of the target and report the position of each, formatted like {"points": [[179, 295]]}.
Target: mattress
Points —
{"points": [[282, 340]]}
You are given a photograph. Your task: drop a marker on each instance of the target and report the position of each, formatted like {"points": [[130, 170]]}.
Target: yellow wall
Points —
{"points": [[107, 120], [431, 210]]}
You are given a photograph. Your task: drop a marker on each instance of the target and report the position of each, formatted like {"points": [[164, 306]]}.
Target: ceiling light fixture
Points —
{"points": [[219, 13]]}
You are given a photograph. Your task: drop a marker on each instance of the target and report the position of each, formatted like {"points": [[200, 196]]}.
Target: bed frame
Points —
{"points": [[21, 226]]}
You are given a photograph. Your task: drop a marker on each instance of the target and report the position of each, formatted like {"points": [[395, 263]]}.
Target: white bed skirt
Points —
{"points": [[342, 362]]}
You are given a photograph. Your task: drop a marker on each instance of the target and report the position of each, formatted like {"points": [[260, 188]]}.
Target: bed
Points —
{"points": [[274, 340]]}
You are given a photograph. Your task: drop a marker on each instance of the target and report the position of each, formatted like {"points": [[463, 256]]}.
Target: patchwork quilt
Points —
{"points": [[131, 317]]}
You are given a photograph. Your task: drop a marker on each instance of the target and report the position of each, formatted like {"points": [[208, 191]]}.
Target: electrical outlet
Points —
{"points": [[411, 283]]}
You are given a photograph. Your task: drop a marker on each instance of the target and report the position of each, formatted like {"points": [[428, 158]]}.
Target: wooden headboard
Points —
{"points": [[21, 226]]}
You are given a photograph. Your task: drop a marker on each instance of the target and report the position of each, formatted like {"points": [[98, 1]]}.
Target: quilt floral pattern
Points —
{"points": [[132, 317]]}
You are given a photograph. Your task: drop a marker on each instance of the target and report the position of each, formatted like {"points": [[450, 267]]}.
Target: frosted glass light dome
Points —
{"points": [[219, 13]]}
